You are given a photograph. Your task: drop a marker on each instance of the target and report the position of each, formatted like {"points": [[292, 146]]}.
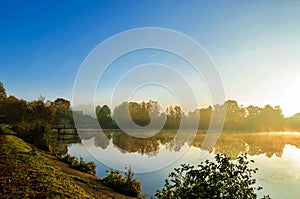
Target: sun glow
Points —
{"points": [[290, 96], [292, 153]]}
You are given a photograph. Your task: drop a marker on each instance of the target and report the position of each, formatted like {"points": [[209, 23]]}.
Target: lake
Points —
{"points": [[276, 155]]}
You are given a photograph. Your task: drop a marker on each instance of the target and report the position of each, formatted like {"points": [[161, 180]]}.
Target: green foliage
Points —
{"points": [[63, 117], [140, 113], [81, 165], [238, 117], [174, 115], [126, 185], [223, 179], [38, 133], [103, 116], [31, 120]]}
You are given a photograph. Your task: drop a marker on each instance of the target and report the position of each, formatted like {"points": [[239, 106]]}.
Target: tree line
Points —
{"points": [[32, 118], [237, 118]]}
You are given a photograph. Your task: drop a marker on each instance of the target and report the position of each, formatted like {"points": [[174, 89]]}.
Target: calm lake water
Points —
{"points": [[276, 155]]}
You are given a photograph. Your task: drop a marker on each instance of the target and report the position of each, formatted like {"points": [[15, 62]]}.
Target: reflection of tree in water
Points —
{"points": [[178, 140], [231, 144], [255, 143], [101, 139], [266, 144], [175, 144], [271, 144], [149, 146], [130, 144]]}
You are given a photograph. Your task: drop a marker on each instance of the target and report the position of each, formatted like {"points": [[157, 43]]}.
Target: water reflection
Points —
{"points": [[231, 144], [276, 155]]}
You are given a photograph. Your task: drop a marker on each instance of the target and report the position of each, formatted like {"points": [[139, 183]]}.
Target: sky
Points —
{"points": [[255, 46]]}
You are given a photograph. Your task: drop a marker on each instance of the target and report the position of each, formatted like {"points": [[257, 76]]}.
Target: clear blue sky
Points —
{"points": [[255, 44]]}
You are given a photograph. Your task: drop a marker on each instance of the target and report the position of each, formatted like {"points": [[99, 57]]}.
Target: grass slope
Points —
{"points": [[33, 174]]}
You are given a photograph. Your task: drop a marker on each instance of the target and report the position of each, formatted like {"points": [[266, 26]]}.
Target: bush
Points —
{"points": [[87, 167], [223, 179], [38, 133], [126, 185]]}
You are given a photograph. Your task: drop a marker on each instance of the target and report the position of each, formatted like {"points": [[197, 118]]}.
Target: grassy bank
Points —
{"points": [[28, 173]]}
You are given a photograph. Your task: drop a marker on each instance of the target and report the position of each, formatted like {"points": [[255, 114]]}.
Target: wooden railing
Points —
{"points": [[66, 134]]}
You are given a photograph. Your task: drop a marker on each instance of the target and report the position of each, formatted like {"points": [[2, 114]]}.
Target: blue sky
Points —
{"points": [[254, 44]]}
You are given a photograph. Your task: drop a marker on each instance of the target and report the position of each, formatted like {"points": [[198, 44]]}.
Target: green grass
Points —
{"points": [[27, 174]]}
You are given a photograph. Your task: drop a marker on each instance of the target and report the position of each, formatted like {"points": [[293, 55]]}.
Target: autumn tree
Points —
{"points": [[139, 113], [63, 114], [15, 110], [2, 92], [104, 116]]}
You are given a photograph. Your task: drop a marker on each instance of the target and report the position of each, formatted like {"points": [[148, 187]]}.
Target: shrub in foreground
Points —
{"points": [[126, 185], [223, 179]]}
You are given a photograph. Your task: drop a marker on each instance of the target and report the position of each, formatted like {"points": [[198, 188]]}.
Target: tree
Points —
{"points": [[234, 115], [294, 122], [121, 115], [63, 114], [250, 122], [103, 116], [174, 115], [2, 99], [205, 117], [15, 110], [62, 103], [139, 113], [223, 179], [270, 119], [41, 110], [2, 92]]}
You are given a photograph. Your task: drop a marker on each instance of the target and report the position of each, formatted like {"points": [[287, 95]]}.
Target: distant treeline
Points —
{"points": [[238, 117], [21, 114]]}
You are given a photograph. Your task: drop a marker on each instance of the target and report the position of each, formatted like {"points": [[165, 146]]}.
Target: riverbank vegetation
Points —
{"points": [[81, 165]]}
